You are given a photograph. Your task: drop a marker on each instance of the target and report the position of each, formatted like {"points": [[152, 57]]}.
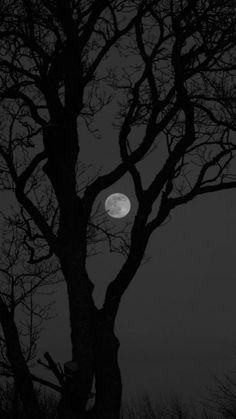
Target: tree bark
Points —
{"points": [[94, 344], [107, 372], [75, 392], [105, 369]]}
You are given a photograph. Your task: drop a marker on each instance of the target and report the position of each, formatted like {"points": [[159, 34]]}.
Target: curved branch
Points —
{"points": [[32, 210], [213, 118], [25, 175], [14, 93], [14, 68], [198, 188], [111, 42]]}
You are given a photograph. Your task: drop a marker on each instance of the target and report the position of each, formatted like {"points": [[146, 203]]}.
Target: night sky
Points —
{"points": [[176, 321]]}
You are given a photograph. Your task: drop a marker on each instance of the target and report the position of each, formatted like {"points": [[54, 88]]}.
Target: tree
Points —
{"points": [[22, 314], [173, 84], [221, 398]]}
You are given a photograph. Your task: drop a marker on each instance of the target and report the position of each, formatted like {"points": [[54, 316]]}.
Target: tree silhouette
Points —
{"points": [[173, 85]]}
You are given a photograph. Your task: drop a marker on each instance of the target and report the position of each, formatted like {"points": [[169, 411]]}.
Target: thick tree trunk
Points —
{"points": [[78, 383], [62, 147], [107, 375], [107, 372], [94, 345], [75, 394]]}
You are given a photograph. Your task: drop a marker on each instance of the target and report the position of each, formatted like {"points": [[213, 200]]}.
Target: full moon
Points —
{"points": [[117, 205]]}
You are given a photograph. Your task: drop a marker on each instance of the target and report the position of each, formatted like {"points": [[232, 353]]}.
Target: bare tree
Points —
{"points": [[175, 89], [22, 314], [221, 397]]}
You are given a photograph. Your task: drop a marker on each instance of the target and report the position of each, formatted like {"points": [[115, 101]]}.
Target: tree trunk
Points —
{"points": [[71, 250], [79, 379], [107, 379], [107, 372], [74, 397], [19, 367]]}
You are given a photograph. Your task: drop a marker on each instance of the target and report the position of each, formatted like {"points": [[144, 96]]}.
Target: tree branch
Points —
{"points": [[111, 42], [46, 383], [32, 210], [52, 366], [25, 175], [14, 93]]}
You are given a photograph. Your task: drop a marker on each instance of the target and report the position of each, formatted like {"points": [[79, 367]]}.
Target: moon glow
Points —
{"points": [[117, 205]]}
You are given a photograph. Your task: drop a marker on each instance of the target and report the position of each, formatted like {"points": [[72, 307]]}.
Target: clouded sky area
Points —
{"points": [[176, 321]]}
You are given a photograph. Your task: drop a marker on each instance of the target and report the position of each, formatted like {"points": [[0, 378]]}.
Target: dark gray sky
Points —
{"points": [[177, 319], [176, 322]]}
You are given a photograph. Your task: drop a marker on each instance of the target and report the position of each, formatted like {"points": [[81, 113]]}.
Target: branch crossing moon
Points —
{"points": [[117, 205]]}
